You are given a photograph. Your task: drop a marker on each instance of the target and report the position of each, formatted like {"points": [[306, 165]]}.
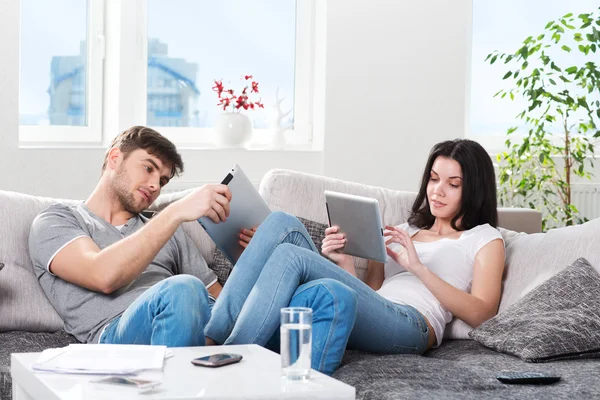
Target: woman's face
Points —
{"points": [[444, 190]]}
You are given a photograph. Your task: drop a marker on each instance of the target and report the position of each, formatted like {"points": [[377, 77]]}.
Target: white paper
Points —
{"points": [[101, 359]]}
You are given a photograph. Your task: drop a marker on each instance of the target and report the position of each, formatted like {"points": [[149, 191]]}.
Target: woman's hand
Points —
{"points": [[333, 248], [407, 256], [245, 237]]}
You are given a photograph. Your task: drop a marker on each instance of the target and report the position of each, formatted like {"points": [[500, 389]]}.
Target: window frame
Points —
{"points": [[40, 135], [190, 137]]}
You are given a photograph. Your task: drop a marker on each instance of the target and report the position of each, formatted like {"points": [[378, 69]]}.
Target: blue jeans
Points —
{"points": [[173, 312], [280, 260]]}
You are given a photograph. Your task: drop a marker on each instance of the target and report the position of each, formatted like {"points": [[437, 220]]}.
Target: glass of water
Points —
{"points": [[296, 342]]}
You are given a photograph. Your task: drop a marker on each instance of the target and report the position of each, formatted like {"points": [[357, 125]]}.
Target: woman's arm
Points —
{"points": [[374, 277], [482, 303], [474, 308]]}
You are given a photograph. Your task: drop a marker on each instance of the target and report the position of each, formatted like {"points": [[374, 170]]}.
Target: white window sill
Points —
{"points": [[188, 147]]}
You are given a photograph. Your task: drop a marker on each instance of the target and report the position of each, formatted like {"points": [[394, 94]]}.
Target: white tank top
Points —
{"points": [[450, 259]]}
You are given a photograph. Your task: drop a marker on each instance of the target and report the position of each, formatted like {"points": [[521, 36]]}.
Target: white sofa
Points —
{"points": [[29, 323]]}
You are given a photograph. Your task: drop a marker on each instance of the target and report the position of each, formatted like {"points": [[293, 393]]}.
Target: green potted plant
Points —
{"points": [[555, 136]]}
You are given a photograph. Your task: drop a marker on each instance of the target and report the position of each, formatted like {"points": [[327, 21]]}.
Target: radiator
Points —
{"points": [[586, 197]]}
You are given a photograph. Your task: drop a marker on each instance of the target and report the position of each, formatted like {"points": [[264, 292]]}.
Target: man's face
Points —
{"points": [[139, 179]]}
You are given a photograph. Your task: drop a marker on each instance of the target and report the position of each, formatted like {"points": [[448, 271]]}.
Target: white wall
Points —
{"points": [[396, 85]]}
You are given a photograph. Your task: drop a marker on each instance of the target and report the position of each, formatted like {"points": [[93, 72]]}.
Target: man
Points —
{"points": [[116, 277]]}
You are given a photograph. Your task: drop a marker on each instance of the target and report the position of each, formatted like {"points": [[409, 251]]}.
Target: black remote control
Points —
{"points": [[535, 378]]}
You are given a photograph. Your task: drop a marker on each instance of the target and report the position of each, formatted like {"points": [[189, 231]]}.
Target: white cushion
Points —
{"points": [[531, 259]]}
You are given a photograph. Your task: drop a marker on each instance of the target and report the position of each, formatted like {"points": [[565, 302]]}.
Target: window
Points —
{"points": [[61, 71], [191, 43], [503, 26], [157, 67]]}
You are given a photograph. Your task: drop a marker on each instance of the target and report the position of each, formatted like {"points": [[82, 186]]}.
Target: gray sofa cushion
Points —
{"points": [[23, 303], [222, 267], [25, 342], [461, 369], [559, 319]]}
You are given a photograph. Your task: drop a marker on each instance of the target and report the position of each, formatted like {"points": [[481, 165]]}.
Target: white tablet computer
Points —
{"points": [[247, 209], [358, 217]]}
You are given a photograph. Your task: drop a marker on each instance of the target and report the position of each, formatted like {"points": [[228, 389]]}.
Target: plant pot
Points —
{"points": [[233, 130]]}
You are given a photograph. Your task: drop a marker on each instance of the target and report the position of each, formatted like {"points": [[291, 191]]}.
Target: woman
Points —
{"points": [[447, 261]]}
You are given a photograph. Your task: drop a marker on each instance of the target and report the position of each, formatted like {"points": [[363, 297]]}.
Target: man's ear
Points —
{"points": [[115, 157]]}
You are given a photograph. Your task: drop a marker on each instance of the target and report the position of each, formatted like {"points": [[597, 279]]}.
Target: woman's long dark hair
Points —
{"points": [[478, 203]]}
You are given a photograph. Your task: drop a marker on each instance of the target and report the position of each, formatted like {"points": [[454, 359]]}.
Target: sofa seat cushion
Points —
{"points": [[461, 369], [26, 342]]}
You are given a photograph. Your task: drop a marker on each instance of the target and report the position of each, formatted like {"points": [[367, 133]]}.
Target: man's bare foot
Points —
{"points": [[209, 341]]}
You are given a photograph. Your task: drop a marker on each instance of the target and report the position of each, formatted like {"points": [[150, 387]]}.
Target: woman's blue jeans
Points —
{"points": [[278, 267], [175, 311]]}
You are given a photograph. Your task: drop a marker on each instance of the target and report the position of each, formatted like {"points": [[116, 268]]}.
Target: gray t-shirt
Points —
{"points": [[84, 311]]}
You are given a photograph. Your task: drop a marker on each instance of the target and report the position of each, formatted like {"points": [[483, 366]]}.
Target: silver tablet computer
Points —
{"points": [[358, 217], [246, 210]]}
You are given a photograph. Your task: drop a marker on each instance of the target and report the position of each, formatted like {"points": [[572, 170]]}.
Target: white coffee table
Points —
{"points": [[257, 376]]}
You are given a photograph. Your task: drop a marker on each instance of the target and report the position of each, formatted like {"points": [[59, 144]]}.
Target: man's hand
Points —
{"points": [[210, 201], [245, 237]]}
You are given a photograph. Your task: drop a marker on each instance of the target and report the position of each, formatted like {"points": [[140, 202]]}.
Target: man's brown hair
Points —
{"points": [[142, 137]]}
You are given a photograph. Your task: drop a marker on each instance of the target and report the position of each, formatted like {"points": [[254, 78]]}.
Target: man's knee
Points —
{"points": [[186, 289]]}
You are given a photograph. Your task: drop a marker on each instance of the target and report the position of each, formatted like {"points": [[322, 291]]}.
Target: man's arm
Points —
{"points": [[83, 263]]}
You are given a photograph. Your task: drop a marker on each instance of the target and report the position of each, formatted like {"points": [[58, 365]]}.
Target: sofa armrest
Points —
{"points": [[520, 219]]}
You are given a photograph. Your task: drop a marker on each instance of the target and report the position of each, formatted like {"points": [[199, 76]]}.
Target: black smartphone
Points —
{"points": [[217, 360]]}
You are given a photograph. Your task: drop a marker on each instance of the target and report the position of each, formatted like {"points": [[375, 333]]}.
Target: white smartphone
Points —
{"points": [[132, 382], [217, 360]]}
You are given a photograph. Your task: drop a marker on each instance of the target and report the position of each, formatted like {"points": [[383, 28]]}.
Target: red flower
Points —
{"points": [[218, 87], [225, 102], [228, 99], [240, 102]]}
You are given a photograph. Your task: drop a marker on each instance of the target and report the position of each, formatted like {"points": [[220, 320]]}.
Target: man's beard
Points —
{"points": [[127, 199]]}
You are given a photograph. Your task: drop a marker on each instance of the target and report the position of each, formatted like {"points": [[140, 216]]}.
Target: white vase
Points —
{"points": [[233, 130]]}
